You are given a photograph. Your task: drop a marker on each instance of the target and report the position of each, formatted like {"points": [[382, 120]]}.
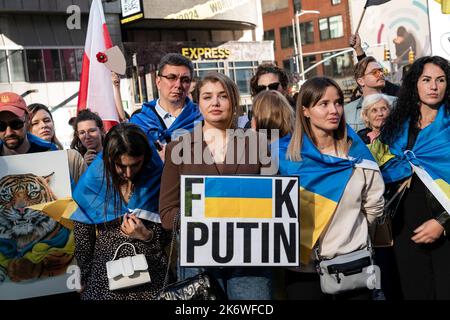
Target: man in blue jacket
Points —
{"points": [[173, 110]]}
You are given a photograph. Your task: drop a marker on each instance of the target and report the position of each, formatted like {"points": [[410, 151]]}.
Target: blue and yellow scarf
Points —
{"points": [[151, 124], [90, 195], [429, 158], [323, 179]]}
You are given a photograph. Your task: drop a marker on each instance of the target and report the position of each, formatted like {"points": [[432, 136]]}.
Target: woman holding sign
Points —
{"points": [[417, 133], [211, 143], [341, 193]]}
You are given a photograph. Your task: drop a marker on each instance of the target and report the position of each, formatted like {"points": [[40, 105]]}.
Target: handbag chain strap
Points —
{"points": [[172, 245], [117, 250]]}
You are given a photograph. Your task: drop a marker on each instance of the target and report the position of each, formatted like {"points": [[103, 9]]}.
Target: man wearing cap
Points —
{"points": [[14, 122]]}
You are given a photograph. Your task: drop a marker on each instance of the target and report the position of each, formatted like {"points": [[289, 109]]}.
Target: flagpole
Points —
{"points": [[360, 20]]}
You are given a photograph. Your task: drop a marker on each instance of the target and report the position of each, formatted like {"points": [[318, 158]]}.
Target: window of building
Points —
{"points": [[52, 65], [69, 65], [3, 67], [41, 65], [335, 2], [308, 61], [17, 65], [202, 68], [288, 65], [270, 35], [297, 6], [287, 37], [35, 66], [340, 66], [307, 32], [241, 73], [331, 28]]}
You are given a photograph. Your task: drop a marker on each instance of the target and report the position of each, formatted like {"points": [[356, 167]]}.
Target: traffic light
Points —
{"points": [[387, 55], [410, 56]]}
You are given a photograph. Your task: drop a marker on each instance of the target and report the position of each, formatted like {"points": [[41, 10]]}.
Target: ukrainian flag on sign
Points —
{"points": [[238, 197]]}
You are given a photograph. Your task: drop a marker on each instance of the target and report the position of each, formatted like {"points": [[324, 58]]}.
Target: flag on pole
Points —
{"points": [[96, 91], [375, 2]]}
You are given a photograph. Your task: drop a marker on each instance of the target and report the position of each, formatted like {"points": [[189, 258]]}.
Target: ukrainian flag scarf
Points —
{"points": [[429, 158], [153, 128], [323, 179], [90, 195]]}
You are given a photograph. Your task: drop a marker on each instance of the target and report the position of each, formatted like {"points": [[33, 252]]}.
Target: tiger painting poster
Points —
{"points": [[35, 250]]}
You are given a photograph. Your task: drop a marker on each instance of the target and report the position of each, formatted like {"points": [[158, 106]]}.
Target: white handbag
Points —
{"points": [[128, 271]]}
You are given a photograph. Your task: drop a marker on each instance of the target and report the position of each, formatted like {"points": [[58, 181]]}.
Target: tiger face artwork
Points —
{"points": [[17, 222], [32, 245]]}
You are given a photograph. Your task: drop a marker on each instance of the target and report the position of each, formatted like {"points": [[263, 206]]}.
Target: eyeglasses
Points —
{"points": [[15, 124], [271, 86], [173, 78], [375, 72], [90, 131]]}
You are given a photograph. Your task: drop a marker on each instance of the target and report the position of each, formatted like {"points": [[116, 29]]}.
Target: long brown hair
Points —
{"points": [[232, 92], [310, 94], [122, 139], [271, 110]]}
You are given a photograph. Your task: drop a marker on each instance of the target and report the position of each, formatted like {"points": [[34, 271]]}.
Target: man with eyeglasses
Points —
{"points": [[173, 110], [369, 75], [14, 122]]}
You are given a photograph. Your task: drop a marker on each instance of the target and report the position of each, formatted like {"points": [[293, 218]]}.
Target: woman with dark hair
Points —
{"points": [[213, 140], [341, 191], [43, 126], [117, 201], [416, 164], [88, 135]]}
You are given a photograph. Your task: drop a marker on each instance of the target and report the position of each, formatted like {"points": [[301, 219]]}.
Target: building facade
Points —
{"points": [[42, 42], [217, 35], [322, 35]]}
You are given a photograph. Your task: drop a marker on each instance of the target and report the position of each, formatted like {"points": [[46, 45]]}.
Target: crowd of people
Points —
{"points": [[136, 167]]}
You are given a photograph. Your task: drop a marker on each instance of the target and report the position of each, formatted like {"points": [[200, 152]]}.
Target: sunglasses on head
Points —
{"points": [[271, 86], [15, 124]]}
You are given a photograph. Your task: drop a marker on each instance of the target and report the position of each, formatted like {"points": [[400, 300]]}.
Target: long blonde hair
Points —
{"points": [[271, 110], [232, 92], [310, 94]]}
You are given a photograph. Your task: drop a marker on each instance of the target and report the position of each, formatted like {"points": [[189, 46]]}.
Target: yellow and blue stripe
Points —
{"points": [[431, 152], [238, 197], [323, 179]]}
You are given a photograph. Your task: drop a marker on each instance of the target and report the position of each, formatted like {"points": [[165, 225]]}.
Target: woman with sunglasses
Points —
{"points": [[269, 77]]}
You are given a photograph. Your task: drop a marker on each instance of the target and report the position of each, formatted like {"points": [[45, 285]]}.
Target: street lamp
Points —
{"points": [[299, 53]]}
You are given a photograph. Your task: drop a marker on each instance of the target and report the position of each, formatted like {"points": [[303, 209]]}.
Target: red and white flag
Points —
{"points": [[96, 91]]}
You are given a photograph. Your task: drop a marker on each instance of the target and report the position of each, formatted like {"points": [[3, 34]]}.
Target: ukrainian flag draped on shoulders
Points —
{"points": [[90, 194], [153, 128], [429, 158], [323, 179]]}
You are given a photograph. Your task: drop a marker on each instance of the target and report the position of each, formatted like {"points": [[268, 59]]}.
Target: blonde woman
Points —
{"points": [[219, 106], [341, 186], [271, 111]]}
